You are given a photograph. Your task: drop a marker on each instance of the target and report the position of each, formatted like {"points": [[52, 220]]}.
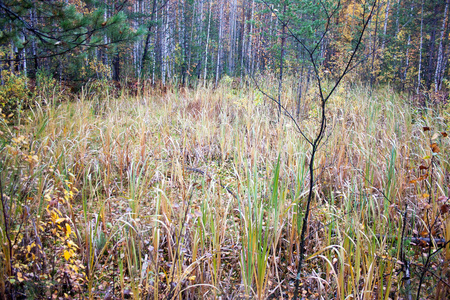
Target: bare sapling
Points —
{"points": [[315, 140]]}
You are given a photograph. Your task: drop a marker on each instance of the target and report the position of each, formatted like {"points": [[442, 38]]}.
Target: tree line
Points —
{"points": [[195, 41]]}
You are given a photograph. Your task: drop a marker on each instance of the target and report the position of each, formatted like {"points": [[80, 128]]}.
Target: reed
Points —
{"points": [[193, 193]]}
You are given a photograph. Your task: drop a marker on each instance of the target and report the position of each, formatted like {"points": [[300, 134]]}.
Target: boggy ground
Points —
{"points": [[199, 194]]}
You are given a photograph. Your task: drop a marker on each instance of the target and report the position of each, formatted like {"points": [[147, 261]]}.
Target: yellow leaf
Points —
{"points": [[425, 195], [73, 267], [68, 230], [19, 277], [71, 244], [59, 220], [67, 255]]}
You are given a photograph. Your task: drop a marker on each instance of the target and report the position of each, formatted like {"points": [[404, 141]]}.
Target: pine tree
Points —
{"points": [[44, 31]]}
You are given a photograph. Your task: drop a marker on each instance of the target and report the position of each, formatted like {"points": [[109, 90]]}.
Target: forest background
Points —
{"points": [[184, 42]]}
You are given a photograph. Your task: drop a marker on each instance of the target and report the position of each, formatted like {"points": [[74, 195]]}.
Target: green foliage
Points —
{"points": [[45, 83], [74, 39], [14, 94]]}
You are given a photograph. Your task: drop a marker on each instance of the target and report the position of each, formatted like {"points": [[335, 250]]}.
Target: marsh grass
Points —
{"points": [[193, 194]]}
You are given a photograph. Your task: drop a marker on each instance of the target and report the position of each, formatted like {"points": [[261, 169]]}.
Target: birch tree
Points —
{"points": [[440, 56]]}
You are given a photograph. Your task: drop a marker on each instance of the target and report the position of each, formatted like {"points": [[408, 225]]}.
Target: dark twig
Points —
{"points": [[5, 217], [428, 260], [440, 279], [404, 259], [417, 240]]}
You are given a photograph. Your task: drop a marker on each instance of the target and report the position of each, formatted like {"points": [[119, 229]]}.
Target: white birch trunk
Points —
{"points": [[420, 51], [220, 46], [207, 43], [164, 47], [407, 49], [105, 41], [232, 36], [386, 18], [397, 23], [250, 39], [200, 40], [154, 51], [407, 58], [440, 57], [193, 29], [243, 39]]}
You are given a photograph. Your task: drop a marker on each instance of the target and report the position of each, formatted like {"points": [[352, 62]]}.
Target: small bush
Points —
{"points": [[14, 94], [45, 83]]}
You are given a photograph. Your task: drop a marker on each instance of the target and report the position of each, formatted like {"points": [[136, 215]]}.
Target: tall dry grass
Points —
{"points": [[193, 193]]}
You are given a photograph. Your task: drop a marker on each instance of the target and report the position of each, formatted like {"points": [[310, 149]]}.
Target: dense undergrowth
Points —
{"points": [[192, 194]]}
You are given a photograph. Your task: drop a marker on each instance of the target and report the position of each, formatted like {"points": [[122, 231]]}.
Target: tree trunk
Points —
{"points": [[250, 40], [386, 18], [232, 37], [183, 42], [440, 57], [243, 27], [220, 44], [105, 59], [446, 53], [405, 72], [33, 42], [193, 30], [200, 42], [431, 49], [299, 94], [280, 80], [148, 36], [155, 52], [372, 73], [164, 47], [207, 43], [420, 51], [116, 67]]}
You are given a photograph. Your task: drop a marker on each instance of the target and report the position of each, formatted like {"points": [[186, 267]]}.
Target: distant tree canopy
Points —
{"points": [[191, 40]]}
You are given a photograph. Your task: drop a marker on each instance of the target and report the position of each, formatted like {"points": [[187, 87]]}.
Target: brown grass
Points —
{"points": [[152, 218]]}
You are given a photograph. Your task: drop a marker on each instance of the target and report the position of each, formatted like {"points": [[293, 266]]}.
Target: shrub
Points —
{"points": [[14, 94], [45, 83]]}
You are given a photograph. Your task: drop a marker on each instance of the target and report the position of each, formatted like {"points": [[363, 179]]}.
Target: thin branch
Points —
{"points": [[285, 110], [5, 217], [323, 99]]}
